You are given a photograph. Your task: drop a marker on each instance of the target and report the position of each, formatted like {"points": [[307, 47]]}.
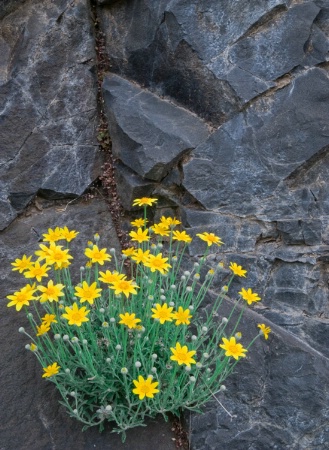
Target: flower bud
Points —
{"points": [[188, 368], [21, 330], [138, 364], [154, 356], [57, 337], [102, 310], [224, 321], [112, 320], [118, 347], [67, 371], [108, 408], [66, 337], [222, 388], [124, 370], [192, 379]]}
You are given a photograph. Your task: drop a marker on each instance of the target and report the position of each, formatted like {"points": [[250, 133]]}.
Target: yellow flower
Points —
{"points": [[97, 256], [237, 270], [144, 201], [22, 297], [125, 287], [129, 320], [145, 387], [48, 319], [249, 296], [22, 264], [181, 236], [140, 256], [161, 229], [43, 253], [232, 348], [264, 330], [37, 271], [210, 238], [51, 292], [110, 277], [139, 236], [51, 370], [182, 316], [76, 316], [182, 355], [87, 293], [68, 235], [139, 222], [43, 329], [53, 235], [163, 313], [33, 347], [58, 256], [170, 221], [156, 262], [129, 251]]}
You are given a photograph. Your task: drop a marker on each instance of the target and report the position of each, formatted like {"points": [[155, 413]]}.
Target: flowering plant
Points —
{"points": [[128, 341]]}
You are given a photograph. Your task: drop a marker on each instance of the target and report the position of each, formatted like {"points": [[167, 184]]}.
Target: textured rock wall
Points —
{"points": [[48, 102], [253, 79], [218, 108]]}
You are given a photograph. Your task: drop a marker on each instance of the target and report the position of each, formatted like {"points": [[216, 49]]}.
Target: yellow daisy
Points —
{"points": [[110, 277], [76, 316], [181, 236], [22, 264], [162, 313], [96, 255], [232, 348], [51, 370], [210, 238], [129, 320], [237, 270], [156, 262], [145, 388], [51, 292], [182, 316], [87, 293], [249, 296], [182, 355], [144, 201], [139, 235], [264, 330], [125, 287]]}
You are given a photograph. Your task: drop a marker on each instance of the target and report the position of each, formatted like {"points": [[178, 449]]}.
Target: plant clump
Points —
{"points": [[123, 349]]}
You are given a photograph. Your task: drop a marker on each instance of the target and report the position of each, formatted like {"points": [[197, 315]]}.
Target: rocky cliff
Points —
{"points": [[221, 110]]}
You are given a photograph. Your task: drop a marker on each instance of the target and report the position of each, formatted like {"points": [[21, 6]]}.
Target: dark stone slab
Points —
{"points": [[48, 98], [148, 134], [271, 399], [131, 186], [262, 147]]}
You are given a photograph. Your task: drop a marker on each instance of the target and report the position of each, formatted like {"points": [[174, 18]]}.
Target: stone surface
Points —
{"points": [[261, 149], [48, 98], [190, 50], [31, 416], [148, 134], [278, 399]]}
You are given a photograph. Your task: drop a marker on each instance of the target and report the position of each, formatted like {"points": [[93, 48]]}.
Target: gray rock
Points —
{"points": [[148, 134], [48, 93], [192, 53], [259, 149], [262, 398], [131, 186], [256, 59]]}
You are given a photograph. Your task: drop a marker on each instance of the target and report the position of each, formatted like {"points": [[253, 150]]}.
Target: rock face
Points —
{"points": [[149, 135], [48, 103], [257, 72], [219, 108]]}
